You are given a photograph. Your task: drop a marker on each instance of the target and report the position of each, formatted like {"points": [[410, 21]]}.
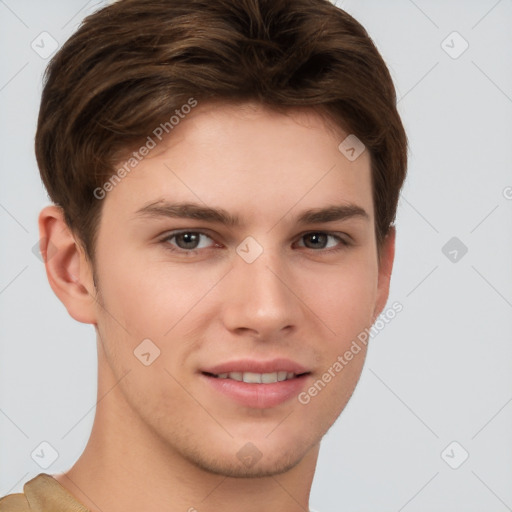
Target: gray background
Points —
{"points": [[439, 372]]}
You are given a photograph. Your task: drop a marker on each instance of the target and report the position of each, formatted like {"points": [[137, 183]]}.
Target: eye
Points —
{"points": [[188, 240], [322, 240]]}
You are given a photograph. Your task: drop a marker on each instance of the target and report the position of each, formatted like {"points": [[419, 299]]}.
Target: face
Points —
{"points": [[241, 250]]}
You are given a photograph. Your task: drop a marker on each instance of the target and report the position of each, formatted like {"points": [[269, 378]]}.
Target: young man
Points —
{"points": [[225, 175]]}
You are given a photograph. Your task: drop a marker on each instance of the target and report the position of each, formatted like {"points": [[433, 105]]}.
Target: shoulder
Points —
{"points": [[14, 503], [44, 494]]}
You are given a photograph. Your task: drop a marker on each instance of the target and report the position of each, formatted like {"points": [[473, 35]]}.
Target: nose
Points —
{"points": [[261, 298]]}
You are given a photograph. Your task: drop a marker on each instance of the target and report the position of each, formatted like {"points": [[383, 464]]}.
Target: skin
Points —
{"points": [[162, 438]]}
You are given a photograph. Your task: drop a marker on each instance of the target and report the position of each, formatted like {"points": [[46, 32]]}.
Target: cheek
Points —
{"points": [[344, 298], [345, 301], [152, 299]]}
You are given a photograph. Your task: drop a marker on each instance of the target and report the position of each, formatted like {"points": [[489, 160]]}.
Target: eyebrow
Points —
{"points": [[332, 213], [188, 211], [221, 216]]}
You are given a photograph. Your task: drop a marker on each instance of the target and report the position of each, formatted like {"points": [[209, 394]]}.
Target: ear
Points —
{"points": [[68, 270], [386, 258]]}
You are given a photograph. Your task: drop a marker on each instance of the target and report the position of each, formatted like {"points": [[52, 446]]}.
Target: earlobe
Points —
{"points": [[386, 258], [68, 270]]}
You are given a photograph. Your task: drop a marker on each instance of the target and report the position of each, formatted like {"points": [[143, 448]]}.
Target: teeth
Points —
{"points": [[257, 378], [252, 378], [267, 378]]}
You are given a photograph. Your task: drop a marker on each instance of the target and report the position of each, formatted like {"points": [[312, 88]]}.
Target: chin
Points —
{"points": [[248, 464], [263, 454]]}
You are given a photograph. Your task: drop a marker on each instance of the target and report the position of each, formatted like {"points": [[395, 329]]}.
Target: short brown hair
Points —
{"points": [[132, 64]]}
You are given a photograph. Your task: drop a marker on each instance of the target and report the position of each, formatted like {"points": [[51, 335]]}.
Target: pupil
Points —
{"points": [[190, 240], [318, 237]]}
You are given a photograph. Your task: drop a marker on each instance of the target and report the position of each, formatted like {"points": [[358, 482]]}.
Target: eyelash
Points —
{"points": [[343, 243]]}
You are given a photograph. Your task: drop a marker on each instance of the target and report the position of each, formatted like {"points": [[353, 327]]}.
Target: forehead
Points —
{"points": [[247, 159]]}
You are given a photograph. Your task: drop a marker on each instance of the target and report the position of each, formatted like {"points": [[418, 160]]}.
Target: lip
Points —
{"points": [[253, 365], [257, 396]]}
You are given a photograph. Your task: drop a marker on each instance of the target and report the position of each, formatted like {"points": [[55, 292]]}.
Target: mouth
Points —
{"points": [[257, 378], [256, 384]]}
